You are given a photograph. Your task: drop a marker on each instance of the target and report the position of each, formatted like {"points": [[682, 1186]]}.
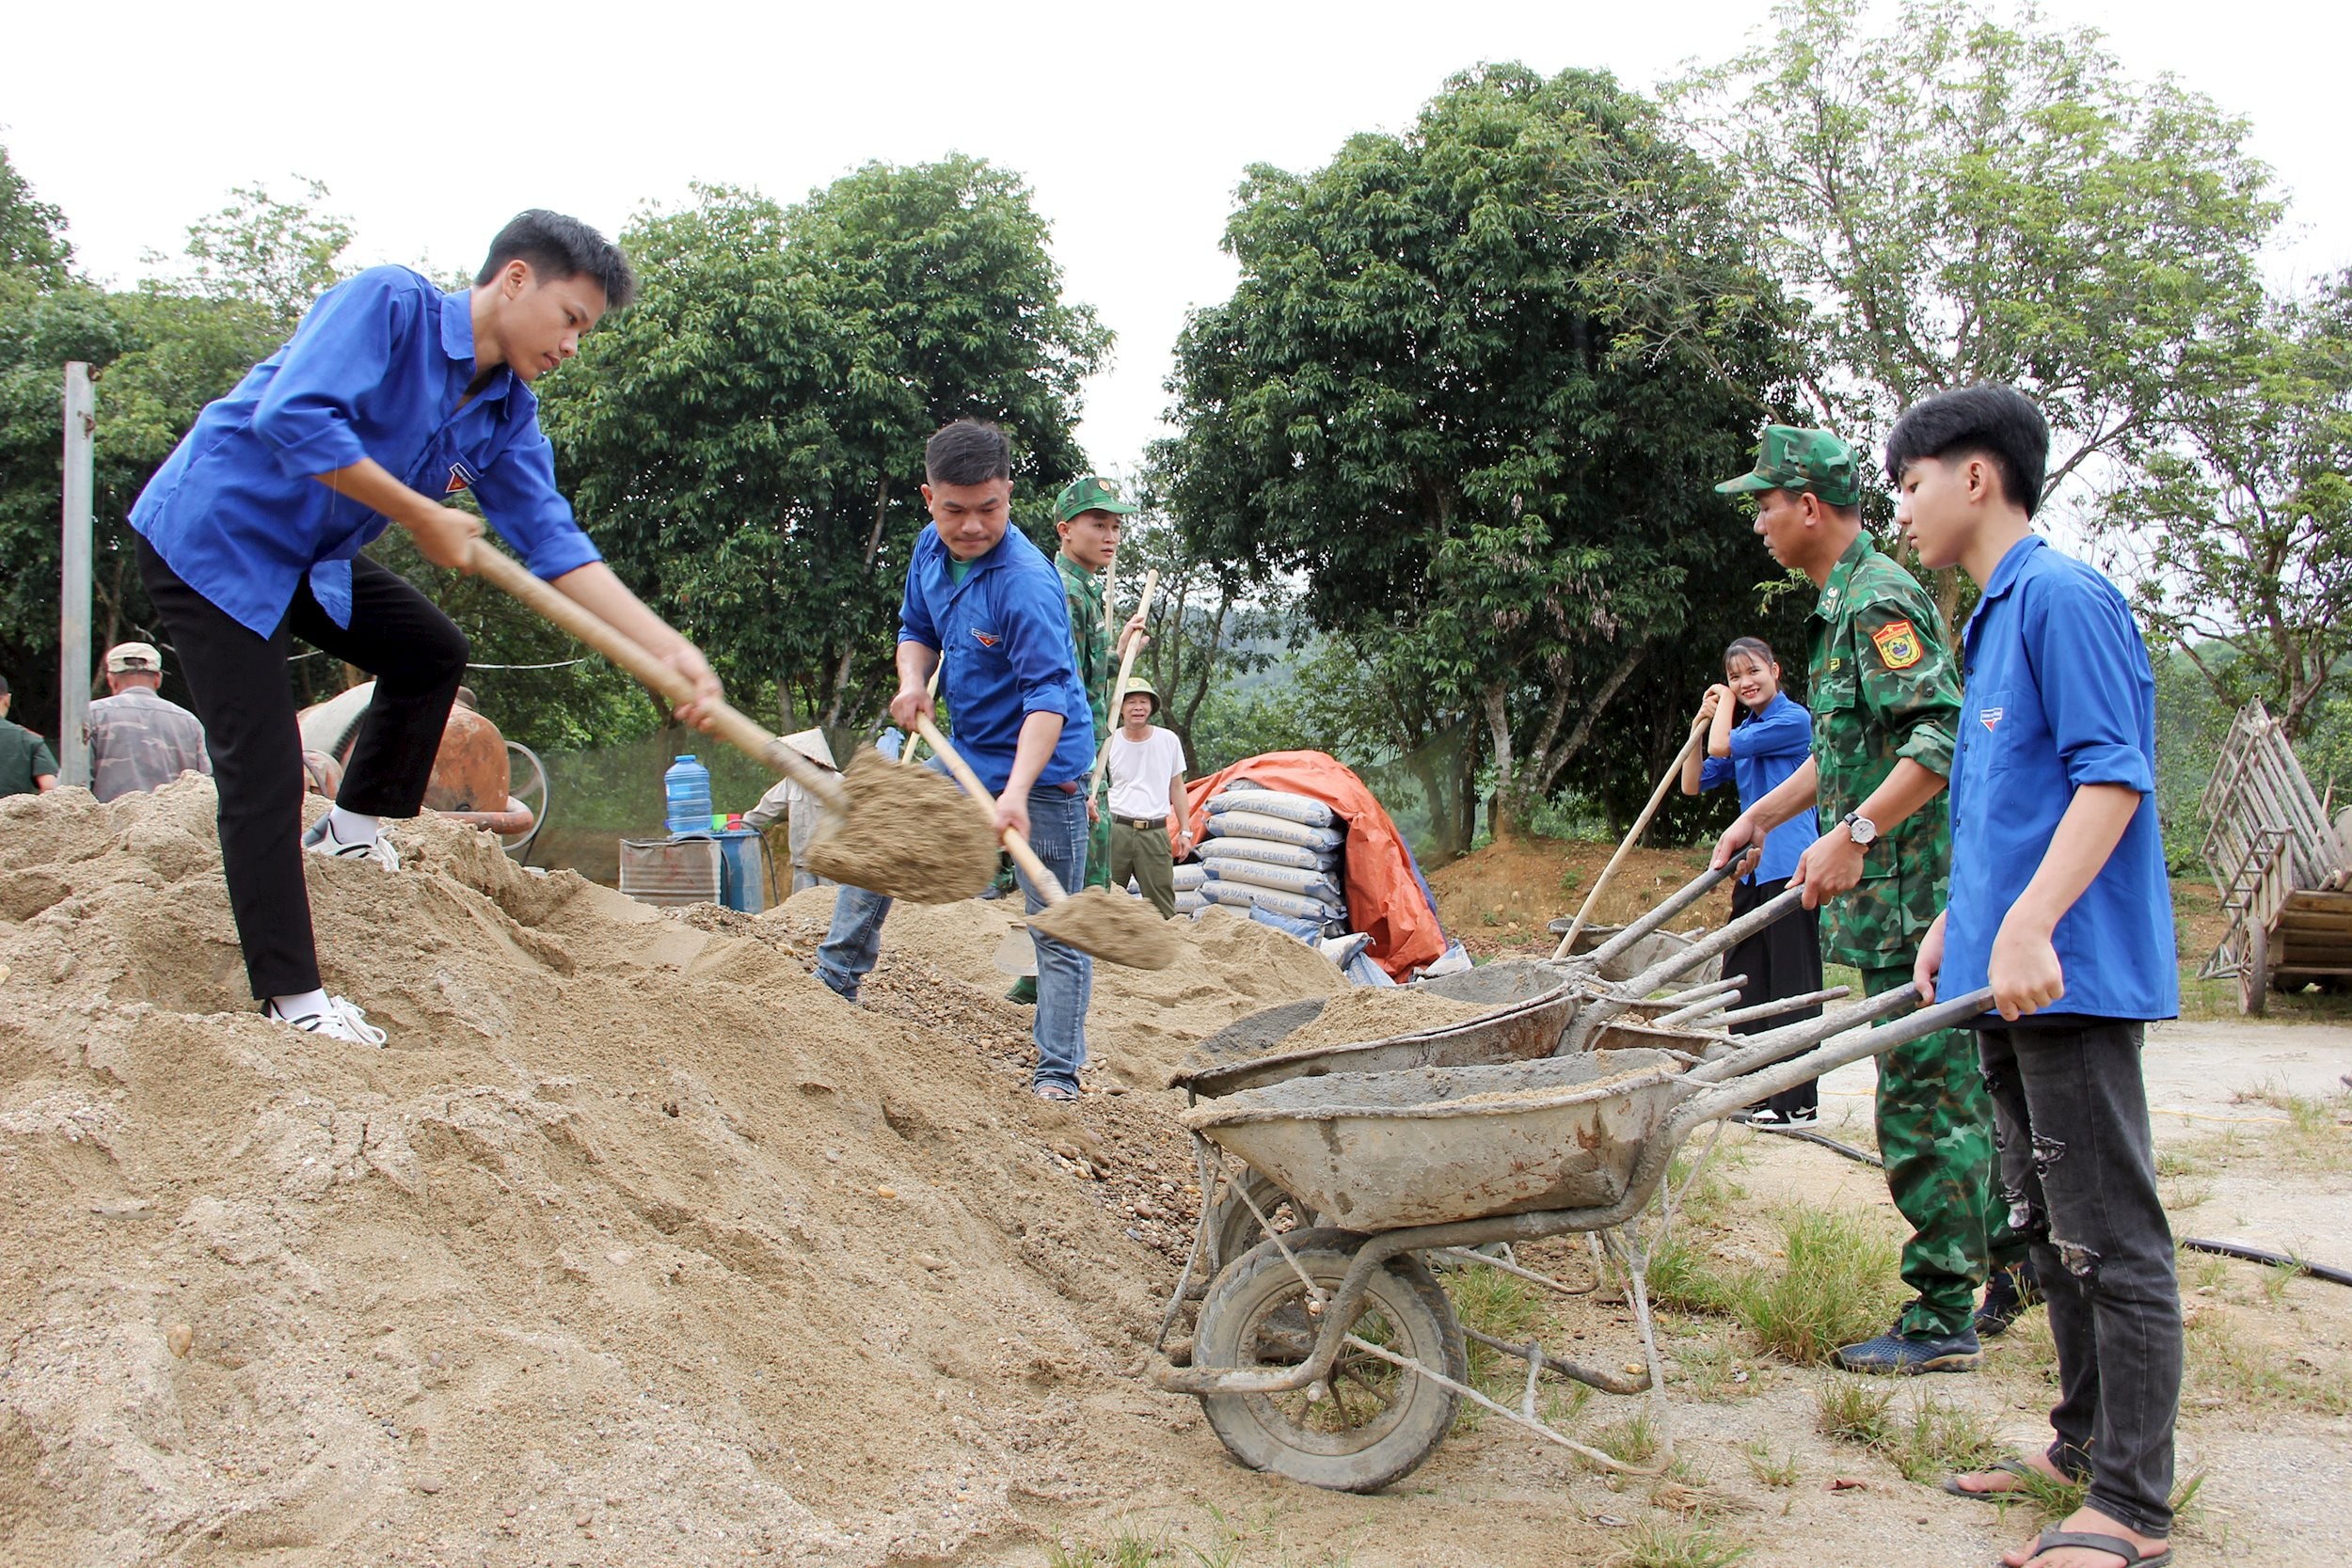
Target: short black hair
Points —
{"points": [[1987, 420], [969, 451], [560, 246], [3, 686]]}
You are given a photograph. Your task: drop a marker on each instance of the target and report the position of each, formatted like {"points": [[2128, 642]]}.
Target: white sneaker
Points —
{"points": [[340, 1020], [320, 840]]}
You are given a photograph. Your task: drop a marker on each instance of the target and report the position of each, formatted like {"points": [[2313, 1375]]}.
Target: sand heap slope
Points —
{"points": [[637, 1245]]}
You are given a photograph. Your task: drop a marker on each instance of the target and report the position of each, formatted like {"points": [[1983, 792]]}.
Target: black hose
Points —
{"points": [[2328, 1272], [1864, 1155], [2262, 1254]]}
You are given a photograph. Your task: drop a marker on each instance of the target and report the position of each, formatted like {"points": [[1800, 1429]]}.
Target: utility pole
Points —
{"points": [[73, 587]]}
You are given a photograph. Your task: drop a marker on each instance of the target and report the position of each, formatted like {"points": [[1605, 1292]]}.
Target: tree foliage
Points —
{"points": [[746, 441], [1963, 199], [1474, 388], [2239, 532]]}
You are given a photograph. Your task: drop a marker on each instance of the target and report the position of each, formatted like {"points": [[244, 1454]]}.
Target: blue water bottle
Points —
{"points": [[687, 788]]}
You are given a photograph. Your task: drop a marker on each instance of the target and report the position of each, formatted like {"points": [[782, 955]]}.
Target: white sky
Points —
{"points": [[1132, 124]]}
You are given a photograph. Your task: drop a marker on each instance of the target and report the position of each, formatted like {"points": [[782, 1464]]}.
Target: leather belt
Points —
{"points": [[1160, 822]]}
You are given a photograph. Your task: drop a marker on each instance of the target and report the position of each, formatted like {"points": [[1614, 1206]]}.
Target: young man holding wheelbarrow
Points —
{"points": [[1885, 698], [2060, 904], [983, 598], [391, 396]]}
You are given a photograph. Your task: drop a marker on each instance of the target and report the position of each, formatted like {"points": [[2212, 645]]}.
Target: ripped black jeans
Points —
{"points": [[2078, 1168]]}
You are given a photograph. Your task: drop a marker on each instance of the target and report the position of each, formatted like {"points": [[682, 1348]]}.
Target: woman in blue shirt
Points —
{"points": [[1756, 736]]}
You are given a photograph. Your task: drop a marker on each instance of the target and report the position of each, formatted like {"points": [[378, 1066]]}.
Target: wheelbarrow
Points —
{"points": [[1330, 1354]]}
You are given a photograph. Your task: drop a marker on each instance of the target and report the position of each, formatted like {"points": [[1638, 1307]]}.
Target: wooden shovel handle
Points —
{"points": [[1048, 885], [1126, 668], [503, 572], [1632, 837]]}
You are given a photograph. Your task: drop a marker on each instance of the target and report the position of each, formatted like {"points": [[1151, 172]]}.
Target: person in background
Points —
{"points": [[802, 811], [138, 739], [1755, 736], [27, 767], [1149, 824]]}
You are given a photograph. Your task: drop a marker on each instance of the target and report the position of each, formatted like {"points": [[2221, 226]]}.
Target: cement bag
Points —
{"points": [[1190, 878], [1274, 829], [1272, 802], [1190, 902], [1281, 878], [1309, 931], [1240, 895], [1269, 853]]}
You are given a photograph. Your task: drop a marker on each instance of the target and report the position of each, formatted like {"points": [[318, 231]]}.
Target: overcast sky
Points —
{"points": [[1132, 123]]}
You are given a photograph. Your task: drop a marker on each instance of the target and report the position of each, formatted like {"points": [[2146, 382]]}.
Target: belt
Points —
{"points": [[1139, 821]]}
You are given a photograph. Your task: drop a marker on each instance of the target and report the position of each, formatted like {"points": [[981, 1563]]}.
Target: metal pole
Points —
{"points": [[73, 587]]}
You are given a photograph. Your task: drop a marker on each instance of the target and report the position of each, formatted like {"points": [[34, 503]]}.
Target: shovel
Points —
{"points": [[906, 833], [1108, 924]]}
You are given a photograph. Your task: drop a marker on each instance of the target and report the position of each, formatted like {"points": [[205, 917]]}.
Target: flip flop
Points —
{"points": [[1054, 1091], [2006, 1495], [2091, 1541]]}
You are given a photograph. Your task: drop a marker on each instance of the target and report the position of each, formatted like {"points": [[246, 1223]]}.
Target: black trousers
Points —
{"points": [[2078, 1167], [239, 683], [1782, 960]]}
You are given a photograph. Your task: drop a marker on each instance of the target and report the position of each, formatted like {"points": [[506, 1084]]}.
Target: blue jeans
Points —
{"points": [[1065, 977]]}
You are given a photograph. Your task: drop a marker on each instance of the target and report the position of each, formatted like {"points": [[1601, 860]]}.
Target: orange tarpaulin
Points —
{"points": [[1383, 898]]}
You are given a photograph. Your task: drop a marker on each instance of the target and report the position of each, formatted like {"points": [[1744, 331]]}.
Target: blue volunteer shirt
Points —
{"points": [[1764, 748], [1004, 632], [376, 369], [2060, 695]]}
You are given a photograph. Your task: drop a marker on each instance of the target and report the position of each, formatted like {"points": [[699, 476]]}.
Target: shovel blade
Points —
{"points": [[908, 833]]}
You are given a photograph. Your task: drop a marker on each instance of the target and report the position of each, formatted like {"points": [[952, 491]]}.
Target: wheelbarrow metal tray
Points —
{"points": [[1526, 1029], [1431, 1146]]}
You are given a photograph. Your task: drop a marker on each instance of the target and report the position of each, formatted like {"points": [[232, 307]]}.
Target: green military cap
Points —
{"points": [[1089, 493], [1137, 687], [1793, 459]]}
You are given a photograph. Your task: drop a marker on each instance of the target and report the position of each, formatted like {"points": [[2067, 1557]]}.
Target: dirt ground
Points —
{"points": [[638, 1246]]}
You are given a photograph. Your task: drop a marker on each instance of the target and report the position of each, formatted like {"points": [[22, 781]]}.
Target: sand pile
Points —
{"points": [[638, 1244]]}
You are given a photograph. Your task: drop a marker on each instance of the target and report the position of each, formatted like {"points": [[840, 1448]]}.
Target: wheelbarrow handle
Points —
{"points": [[1759, 1050], [1715, 943], [1721, 1099], [1675, 903]]}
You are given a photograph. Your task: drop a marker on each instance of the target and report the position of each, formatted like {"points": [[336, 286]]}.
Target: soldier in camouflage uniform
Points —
{"points": [[1884, 695], [139, 740]]}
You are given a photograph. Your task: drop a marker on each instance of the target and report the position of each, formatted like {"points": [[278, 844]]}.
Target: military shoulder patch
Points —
{"points": [[1897, 643]]}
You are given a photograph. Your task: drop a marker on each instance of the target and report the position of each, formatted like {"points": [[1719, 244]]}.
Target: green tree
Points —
{"points": [[2239, 532], [33, 247], [1210, 628], [258, 251], [1474, 388], [746, 441], [1965, 199]]}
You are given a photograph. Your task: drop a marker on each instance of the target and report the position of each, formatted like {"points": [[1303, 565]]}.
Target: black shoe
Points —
{"points": [[1803, 1116], [2007, 1295], [1905, 1355]]}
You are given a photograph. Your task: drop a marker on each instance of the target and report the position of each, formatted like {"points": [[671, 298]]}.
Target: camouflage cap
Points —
{"points": [[1089, 493], [1793, 459], [1137, 687], [134, 655]]}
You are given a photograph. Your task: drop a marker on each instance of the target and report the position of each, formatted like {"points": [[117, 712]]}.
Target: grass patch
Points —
{"points": [[1680, 1280], [1632, 1441], [1838, 1284], [1941, 1437], [1775, 1470], [1131, 1548], [1713, 1371], [1849, 1412], [2317, 1135], [1660, 1544], [2229, 1366]]}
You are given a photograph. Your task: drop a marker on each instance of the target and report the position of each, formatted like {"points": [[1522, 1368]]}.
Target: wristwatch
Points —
{"points": [[1860, 828]]}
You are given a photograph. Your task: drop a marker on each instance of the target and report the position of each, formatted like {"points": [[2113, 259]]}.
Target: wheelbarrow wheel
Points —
{"points": [[1370, 1422], [1237, 1228]]}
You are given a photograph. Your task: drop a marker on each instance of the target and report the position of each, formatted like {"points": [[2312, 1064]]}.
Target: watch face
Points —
{"points": [[1863, 828]]}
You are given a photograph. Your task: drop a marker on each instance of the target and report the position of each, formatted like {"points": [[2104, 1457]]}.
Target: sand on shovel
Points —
{"points": [[908, 833], [1111, 925]]}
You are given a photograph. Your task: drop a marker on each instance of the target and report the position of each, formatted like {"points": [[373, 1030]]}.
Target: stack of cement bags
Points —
{"points": [[1275, 856]]}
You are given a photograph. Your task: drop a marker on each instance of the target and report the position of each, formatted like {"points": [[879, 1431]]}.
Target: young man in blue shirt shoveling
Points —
{"points": [[985, 600], [390, 396], [2060, 902]]}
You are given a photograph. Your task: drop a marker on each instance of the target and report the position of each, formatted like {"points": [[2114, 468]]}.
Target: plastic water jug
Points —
{"points": [[687, 789]]}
